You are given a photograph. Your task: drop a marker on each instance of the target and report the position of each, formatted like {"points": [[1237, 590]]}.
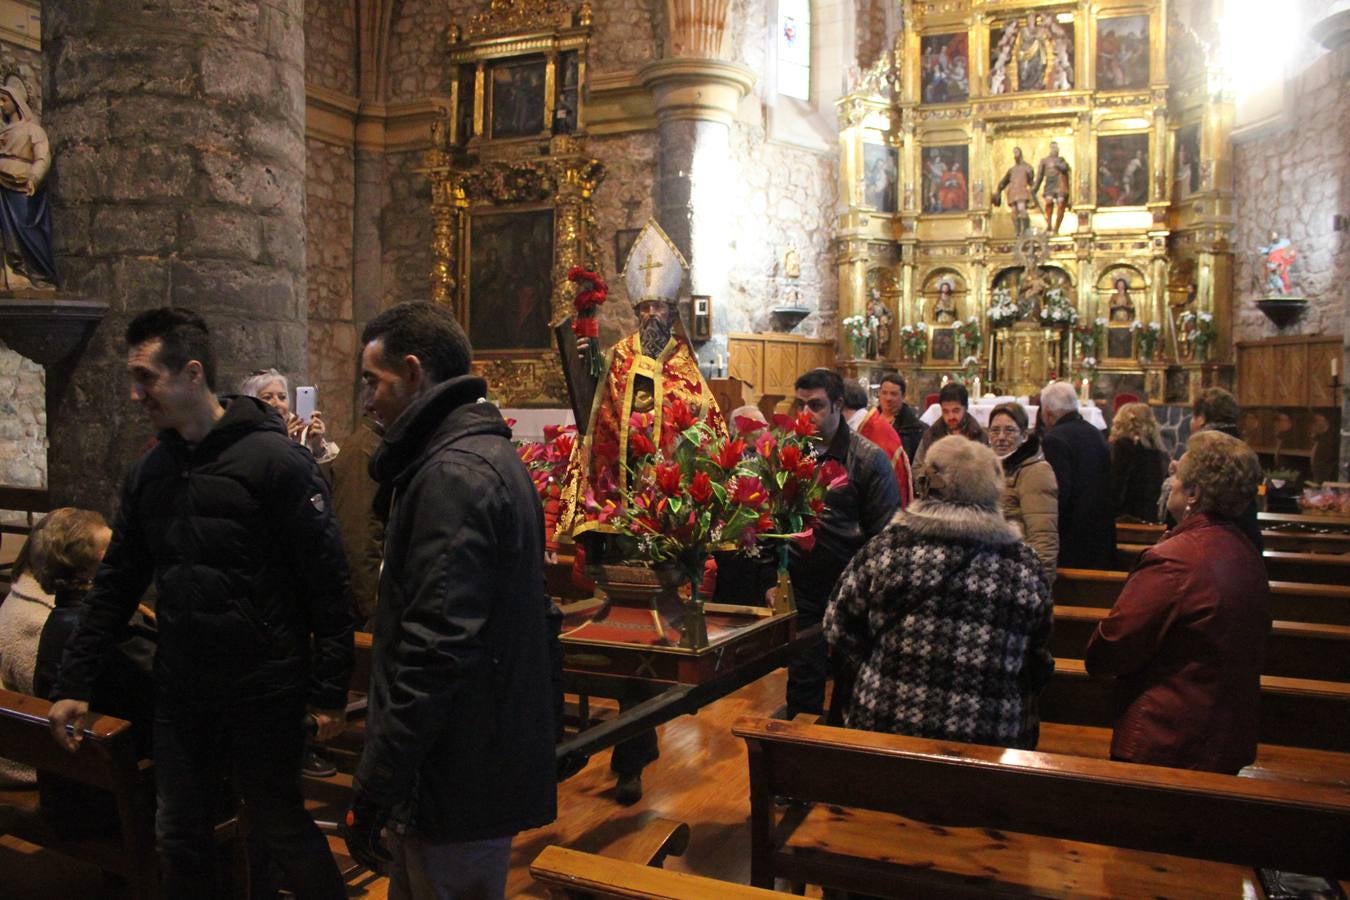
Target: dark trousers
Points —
{"points": [[255, 749], [630, 757], [809, 669]]}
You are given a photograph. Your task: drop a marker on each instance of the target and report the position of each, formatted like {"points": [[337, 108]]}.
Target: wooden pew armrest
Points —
{"points": [[652, 843]]}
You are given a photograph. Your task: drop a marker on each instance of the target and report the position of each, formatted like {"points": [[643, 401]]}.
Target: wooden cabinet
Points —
{"points": [[1290, 413], [770, 363]]}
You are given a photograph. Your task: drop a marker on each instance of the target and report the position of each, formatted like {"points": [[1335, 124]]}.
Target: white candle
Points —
{"points": [[944, 380], [1333, 367]]}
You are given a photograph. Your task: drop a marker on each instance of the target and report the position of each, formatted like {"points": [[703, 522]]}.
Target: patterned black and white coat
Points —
{"points": [[941, 623]]}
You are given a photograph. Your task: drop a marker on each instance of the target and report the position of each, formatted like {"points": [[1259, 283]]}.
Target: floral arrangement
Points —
{"points": [[1089, 335], [695, 493], [1087, 368], [546, 460], [858, 329], [968, 336], [1201, 328], [1148, 336], [914, 340], [1003, 312], [970, 370], [591, 294], [1057, 310]]}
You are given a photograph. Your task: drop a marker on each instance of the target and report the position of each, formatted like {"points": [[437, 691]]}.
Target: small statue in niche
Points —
{"points": [[25, 160], [1277, 258], [944, 307], [881, 329], [792, 266], [1121, 307], [1017, 181]]}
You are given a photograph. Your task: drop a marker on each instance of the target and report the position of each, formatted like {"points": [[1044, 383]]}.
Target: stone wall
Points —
{"points": [[330, 186], [1292, 177], [330, 45], [23, 401]]}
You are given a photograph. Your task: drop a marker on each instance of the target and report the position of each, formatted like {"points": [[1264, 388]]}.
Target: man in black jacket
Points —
{"points": [[460, 729], [902, 417], [1078, 453], [231, 519], [854, 513]]}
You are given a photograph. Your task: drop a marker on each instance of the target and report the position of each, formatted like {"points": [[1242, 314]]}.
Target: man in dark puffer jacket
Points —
{"points": [[232, 520], [466, 676]]}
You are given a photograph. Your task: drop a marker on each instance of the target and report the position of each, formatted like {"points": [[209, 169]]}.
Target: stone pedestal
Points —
{"points": [[177, 132]]}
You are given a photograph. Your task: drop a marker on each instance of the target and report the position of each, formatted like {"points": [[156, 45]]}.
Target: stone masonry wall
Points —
{"points": [[1293, 177], [23, 401], [330, 45]]}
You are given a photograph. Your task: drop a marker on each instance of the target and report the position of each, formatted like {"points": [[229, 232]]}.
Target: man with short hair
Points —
{"points": [[233, 522], [463, 690], [854, 513], [870, 424], [899, 414], [954, 400], [1082, 462]]}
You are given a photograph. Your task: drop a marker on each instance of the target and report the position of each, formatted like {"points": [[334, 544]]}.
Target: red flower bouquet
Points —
{"points": [[591, 293]]}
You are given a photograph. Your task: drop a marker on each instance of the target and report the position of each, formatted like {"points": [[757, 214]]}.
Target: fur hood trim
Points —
{"points": [[942, 521]]}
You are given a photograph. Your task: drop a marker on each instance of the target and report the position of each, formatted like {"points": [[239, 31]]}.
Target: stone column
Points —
{"points": [[177, 131], [696, 96]]}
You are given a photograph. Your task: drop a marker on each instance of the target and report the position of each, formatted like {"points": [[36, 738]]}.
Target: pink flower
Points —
{"points": [[806, 540], [749, 492], [833, 475], [766, 444]]}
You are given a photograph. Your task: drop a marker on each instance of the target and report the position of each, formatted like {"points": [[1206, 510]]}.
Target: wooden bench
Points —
{"points": [[1323, 604], [106, 759], [900, 816], [1293, 537], [632, 870], [1307, 568], [1295, 712], [1293, 649]]}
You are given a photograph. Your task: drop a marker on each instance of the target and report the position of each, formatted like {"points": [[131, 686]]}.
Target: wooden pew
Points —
{"points": [[901, 816], [1306, 568], [1292, 537], [1323, 604], [632, 870], [1293, 649], [106, 759], [1295, 712]]}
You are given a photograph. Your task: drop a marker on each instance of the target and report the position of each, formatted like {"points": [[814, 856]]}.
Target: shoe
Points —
{"points": [[316, 765], [629, 790]]}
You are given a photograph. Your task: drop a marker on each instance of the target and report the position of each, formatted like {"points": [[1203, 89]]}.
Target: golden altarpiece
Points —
{"points": [[1113, 221], [511, 189]]}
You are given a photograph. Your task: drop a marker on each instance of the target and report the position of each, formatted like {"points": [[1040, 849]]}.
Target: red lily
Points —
{"points": [[668, 477], [700, 488], [789, 457], [747, 426], [806, 540], [640, 444], [730, 454], [833, 475], [678, 413], [804, 425]]}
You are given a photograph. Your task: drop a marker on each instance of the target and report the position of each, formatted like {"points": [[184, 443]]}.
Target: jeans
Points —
{"points": [[202, 750], [453, 870]]}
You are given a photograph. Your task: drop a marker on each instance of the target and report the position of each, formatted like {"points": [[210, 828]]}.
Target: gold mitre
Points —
{"points": [[655, 268]]}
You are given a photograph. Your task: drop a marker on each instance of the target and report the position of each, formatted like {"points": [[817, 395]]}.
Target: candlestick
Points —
{"points": [[1334, 363]]}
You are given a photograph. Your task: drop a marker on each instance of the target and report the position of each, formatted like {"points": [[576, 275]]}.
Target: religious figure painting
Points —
{"points": [[943, 346], [879, 165], [1186, 172], [945, 188], [945, 68], [1122, 53], [1119, 343], [1122, 170], [1031, 53], [517, 98], [510, 280]]}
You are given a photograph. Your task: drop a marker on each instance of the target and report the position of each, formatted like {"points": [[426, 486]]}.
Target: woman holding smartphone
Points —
{"points": [[273, 388]]}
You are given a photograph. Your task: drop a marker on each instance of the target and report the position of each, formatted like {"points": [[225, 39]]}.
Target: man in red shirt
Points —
{"points": [[872, 425]]}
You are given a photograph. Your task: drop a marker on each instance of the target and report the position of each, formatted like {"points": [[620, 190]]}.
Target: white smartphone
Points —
{"points": [[305, 400]]}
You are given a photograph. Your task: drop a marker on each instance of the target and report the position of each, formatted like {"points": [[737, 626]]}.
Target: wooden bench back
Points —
{"points": [[1293, 649], [1323, 604], [1295, 712], [106, 758], [574, 874], [1286, 825], [1276, 534], [1281, 565]]}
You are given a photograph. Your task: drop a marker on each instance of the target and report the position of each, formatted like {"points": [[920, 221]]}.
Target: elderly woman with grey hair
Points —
{"points": [[274, 389], [940, 624]]}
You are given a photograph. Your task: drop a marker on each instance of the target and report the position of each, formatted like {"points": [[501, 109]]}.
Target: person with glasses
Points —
{"points": [[274, 389], [854, 513], [1030, 492]]}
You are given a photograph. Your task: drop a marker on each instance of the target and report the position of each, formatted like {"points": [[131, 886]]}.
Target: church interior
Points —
{"points": [[1144, 198]]}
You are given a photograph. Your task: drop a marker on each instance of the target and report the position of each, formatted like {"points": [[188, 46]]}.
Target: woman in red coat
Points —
{"points": [[1187, 634]]}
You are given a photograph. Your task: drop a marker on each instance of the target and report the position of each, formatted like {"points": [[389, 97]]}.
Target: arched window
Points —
{"points": [[794, 48]]}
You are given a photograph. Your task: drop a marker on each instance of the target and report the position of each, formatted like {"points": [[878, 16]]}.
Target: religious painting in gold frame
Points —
{"points": [[510, 279], [516, 97]]}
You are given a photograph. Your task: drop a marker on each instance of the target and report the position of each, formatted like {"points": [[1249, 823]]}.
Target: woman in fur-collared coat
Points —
{"points": [[940, 624]]}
